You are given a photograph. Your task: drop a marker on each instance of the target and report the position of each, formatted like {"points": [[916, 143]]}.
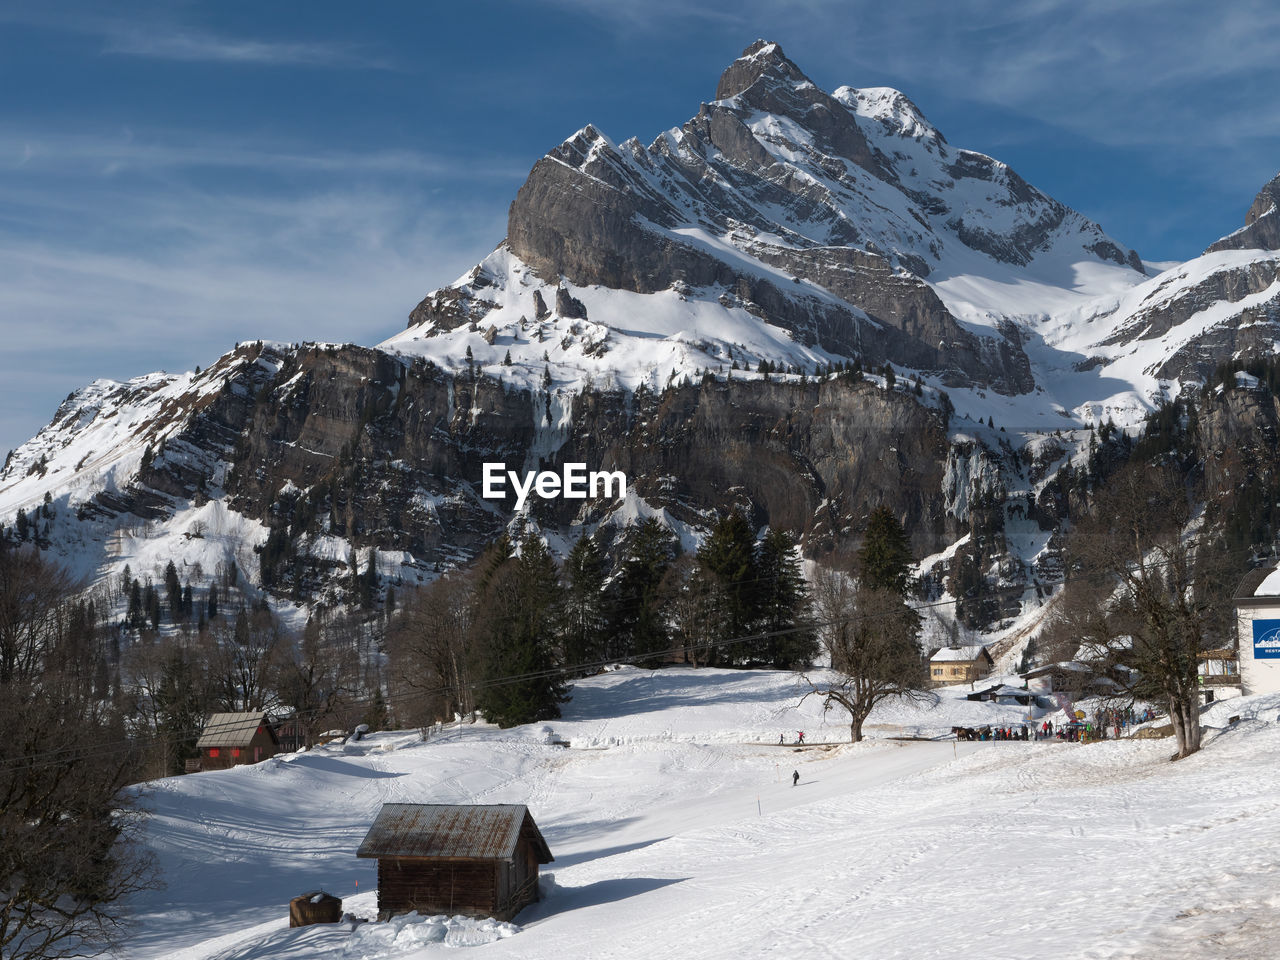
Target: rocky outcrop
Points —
{"points": [[1262, 223], [787, 199], [1239, 438], [355, 444], [1251, 329]]}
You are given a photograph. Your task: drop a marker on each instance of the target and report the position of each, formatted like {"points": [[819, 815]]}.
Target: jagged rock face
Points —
{"points": [[839, 205], [1262, 223], [815, 458], [1239, 437], [354, 446]]}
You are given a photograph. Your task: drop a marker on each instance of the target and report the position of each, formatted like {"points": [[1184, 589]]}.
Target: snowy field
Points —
{"points": [[677, 834]]}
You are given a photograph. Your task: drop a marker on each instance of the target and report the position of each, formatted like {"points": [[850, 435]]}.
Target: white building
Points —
{"points": [[1257, 605]]}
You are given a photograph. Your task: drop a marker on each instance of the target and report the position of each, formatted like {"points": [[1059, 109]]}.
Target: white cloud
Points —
{"points": [[152, 30], [151, 268], [185, 44], [59, 152]]}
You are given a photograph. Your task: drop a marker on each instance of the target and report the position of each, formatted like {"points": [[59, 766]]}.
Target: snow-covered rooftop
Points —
{"points": [[958, 654], [1270, 585]]}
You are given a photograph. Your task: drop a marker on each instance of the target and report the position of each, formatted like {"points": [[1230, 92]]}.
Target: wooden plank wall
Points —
{"points": [[467, 887]]}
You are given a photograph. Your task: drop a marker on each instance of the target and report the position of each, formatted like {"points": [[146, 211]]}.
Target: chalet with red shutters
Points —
{"points": [[230, 739]]}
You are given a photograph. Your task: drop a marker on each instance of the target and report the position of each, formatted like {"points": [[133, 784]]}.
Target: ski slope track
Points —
{"points": [[677, 833]]}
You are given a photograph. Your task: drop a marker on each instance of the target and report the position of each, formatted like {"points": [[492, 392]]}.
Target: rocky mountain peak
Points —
{"points": [[763, 59], [832, 220], [1261, 230]]}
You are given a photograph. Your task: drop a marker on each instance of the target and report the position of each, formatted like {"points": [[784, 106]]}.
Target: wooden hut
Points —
{"points": [[230, 739], [476, 860]]}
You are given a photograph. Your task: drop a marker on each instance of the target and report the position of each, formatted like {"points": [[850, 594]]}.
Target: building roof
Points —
{"points": [[452, 831], [1270, 585], [1062, 666], [1261, 583], [1000, 690], [231, 729], [1004, 690], [959, 654]]}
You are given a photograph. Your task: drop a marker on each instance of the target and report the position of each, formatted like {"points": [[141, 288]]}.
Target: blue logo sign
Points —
{"points": [[1266, 639]]}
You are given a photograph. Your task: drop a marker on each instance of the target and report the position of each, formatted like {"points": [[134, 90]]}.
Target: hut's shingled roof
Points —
{"points": [[231, 729], [457, 831]]}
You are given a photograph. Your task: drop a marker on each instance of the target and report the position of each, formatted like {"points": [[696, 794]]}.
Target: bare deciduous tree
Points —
{"points": [[318, 677], [432, 647], [696, 602], [870, 635], [32, 595], [66, 857], [1170, 590]]}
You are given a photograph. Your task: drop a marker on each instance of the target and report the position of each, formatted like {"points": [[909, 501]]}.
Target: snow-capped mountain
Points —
{"points": [[675, 311], [780, 223]]}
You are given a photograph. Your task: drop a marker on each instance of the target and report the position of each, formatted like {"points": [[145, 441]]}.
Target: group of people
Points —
{"points": [[993, 733], [1112, 722]]}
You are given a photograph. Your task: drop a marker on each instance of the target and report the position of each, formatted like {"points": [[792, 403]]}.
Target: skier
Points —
{"points": [[782, 738], [799, 736], [795, 777]]}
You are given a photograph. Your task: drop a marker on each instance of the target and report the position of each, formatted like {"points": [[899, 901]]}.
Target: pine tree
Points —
{"points": [[637, 628], [151, 606], [353, 578], [521, 681], [376, 716], [369, 582], [783, 602], [173, 591], [583, 614], [137, 613], [728, 556], [884, 560]]}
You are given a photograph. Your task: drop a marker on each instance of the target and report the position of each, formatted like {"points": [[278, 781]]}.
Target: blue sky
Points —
{"points": [[178, 176]]}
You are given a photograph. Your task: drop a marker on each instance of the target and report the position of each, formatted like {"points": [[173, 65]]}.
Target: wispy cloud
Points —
{"points": [[154, 267], [1156, 73], [154, 31], [60, 152], [184, 44]]}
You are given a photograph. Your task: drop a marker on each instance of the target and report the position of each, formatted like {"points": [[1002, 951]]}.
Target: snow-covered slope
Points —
{"points": [[676, 832], [78, 474]]}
